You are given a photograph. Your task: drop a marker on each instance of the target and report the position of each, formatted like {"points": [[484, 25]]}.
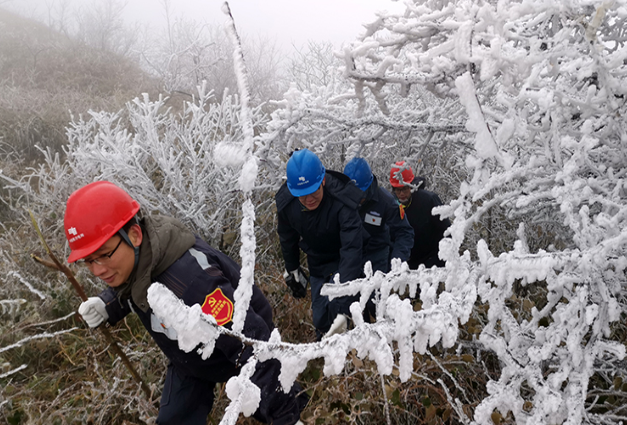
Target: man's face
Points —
{"points": [[312, 201], [403, 194], [113, 262]]}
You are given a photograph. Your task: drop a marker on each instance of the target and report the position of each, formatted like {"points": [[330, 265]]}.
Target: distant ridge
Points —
{"points": [[45, 75]]}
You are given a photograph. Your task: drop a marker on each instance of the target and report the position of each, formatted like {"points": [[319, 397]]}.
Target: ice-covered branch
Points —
{"points": [[9, 306], [396, 322], [247, 179], [12, 372], [35, 337], [245, 396], [30, 287]]}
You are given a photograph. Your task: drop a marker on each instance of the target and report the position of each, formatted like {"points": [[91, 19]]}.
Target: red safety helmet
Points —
{"points": [[93, 214], [407, 174]]}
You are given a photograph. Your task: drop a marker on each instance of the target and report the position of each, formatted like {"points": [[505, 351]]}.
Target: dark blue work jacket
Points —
{"points": [[205, 276], [428, 229], [382, 220]]}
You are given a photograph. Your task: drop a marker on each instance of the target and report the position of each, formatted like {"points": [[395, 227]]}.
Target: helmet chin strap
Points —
{"points": [[126, 239]]}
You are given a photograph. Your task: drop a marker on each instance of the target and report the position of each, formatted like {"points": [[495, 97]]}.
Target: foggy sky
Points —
{"points": [[287, 21]]}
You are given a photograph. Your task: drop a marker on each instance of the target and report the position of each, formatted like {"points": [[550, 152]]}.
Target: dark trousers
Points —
{"points": [[380, 259], [185, 399], [428, 261], [319, 305], [188, 400], [325, 311]]}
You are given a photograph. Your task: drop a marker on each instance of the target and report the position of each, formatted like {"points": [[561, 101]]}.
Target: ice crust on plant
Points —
{"points": [[541, 95], [413, 331], [245, 395], [526, 98], [193, 327]]}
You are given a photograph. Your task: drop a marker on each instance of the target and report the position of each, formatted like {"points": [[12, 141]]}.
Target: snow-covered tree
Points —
{"points": [[514, 110], [538, 88], [190, 52]]}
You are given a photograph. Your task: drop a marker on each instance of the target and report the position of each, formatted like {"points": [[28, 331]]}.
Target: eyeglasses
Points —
{"points": [[402, 189], [101, 260]]}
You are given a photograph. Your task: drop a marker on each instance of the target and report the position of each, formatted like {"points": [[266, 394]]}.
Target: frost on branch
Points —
{"points": [[397, 324], [168, 162], [532, 97], [513, 111], [245, 396], [542, 87], [192, 326], [244, 290]]}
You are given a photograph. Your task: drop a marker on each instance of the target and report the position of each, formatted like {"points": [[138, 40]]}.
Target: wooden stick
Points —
{"points": [[43, 262], [56, 264]]}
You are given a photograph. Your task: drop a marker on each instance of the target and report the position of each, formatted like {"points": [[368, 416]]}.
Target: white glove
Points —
{"points": [[93, 311], [339, 326]]}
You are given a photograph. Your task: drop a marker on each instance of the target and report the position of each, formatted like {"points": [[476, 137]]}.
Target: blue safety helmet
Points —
{"points": [[359, 171], [305, 173]]}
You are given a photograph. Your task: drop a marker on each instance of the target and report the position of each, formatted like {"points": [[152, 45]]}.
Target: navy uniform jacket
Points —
{"points": [[428, 229], [382, 220], [194, 277], [331, 235]]}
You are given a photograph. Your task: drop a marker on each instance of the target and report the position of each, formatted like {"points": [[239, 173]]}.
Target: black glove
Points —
{"points": [[297, 281]]}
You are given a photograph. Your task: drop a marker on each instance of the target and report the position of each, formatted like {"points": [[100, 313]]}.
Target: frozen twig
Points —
{"points": [[44, 335]]}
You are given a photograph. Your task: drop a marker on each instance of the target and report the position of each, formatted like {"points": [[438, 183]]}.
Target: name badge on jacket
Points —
{"points": [[372, 219]]}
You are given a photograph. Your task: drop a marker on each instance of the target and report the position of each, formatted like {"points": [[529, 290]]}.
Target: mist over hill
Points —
{"points": [[48, 75]]}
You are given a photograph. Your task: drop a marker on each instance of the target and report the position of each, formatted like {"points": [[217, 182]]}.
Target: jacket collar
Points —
{"points": [[165, 240]]}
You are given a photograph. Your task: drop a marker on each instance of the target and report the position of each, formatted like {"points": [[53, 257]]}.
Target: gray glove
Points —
{"points": [[297, 281], [93, 311]]}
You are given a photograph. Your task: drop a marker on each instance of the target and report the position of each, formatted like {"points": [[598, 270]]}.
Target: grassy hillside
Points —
{"points": [[45, 76]]}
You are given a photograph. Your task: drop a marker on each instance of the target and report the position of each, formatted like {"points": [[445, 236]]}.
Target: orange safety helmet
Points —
{"points": [[407, 174], [93, 214]]}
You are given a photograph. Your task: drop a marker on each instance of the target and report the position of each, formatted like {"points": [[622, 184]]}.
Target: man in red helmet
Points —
{"points": [[129, 255], [417, 205]]}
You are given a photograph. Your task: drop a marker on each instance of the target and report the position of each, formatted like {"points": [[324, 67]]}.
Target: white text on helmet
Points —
{"points": [[75, 238]]}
